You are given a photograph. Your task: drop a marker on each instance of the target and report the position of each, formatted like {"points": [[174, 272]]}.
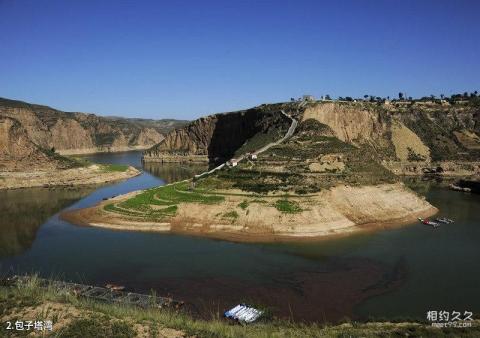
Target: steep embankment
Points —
{"points": [[77, 133], [409, 139], [221, 136], [18, 152]]}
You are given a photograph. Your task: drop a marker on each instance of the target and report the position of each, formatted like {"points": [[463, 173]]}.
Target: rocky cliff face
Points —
{"points": [[217, 137], [405, 133], [18, 152], [74, 133], [406, 138]]}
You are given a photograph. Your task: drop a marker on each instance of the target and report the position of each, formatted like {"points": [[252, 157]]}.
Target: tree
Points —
{"points": [[442, 96], [400, 96], [327, 97], [410, 98], [365, 96], [52, 149]]}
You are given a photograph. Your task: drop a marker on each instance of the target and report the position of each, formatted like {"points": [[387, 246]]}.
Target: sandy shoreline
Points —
{"points": [[339, 212], [92, 175]]}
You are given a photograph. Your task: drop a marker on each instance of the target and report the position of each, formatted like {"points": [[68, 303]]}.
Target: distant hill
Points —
{"points": [[76, 133]]}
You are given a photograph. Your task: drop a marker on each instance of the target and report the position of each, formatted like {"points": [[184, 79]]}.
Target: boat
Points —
{"points": [[428, 222], [243, 313], [444, 220], [115, 287]]}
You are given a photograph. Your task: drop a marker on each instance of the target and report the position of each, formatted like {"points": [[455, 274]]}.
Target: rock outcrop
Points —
{"points": [[76, 133], [218, 137], [18, 152], [407, 139]]}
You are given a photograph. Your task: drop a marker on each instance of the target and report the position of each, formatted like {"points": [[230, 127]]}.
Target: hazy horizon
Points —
{"points": [[158, 60]]}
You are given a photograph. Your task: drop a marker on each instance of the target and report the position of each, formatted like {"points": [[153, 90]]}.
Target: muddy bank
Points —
{"points": [[100, 150], [336, 212], [91, 175]]}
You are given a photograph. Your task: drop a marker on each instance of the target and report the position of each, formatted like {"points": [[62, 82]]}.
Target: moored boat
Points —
{"points": [[428, 222], [444, 220]]}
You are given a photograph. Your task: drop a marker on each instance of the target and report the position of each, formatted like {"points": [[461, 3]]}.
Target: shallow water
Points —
{"points": [[394, 273]]}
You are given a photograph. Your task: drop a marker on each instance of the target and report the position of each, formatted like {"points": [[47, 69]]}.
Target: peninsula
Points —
{"points": [[300, 170]]}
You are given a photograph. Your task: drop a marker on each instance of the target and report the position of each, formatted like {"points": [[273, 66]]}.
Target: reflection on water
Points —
{"points": [[172, 172], [398, 272], [23, 211], [168, 172]]}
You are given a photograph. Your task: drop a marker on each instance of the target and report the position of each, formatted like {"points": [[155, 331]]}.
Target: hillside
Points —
{"points": [[76, 133], [219, 137], [406, 138], [337, 173], [18, 152]]}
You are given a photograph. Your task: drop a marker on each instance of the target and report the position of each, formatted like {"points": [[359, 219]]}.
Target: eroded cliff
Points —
{"points": [[18, 152], [76, 133], [218, 137]]}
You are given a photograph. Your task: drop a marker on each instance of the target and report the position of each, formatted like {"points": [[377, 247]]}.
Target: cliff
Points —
{"points": [[75, 133], [219, 137], [18, 152], [403, 133]]}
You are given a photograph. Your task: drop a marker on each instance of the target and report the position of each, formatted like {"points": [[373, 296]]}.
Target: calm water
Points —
{"points": [[388, 274]]}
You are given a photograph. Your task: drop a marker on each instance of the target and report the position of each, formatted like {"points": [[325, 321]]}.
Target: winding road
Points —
{"points": [[289, 133]]}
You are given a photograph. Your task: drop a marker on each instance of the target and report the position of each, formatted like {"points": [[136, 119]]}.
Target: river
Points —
{"points": [[391, 274]]}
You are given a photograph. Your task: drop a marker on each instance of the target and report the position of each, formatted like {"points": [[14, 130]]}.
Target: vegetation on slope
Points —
{"points": [[78, 317], [161, 202]]}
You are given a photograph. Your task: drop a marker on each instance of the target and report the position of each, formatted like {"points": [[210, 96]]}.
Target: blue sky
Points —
{"points": [[185, 59]]}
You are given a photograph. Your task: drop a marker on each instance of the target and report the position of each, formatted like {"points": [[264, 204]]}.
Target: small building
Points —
{"points": [[308, 98], [232, 163]]}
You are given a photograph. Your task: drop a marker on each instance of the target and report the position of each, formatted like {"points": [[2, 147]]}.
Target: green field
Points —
{"points": [[114, 167], [161, 202]]}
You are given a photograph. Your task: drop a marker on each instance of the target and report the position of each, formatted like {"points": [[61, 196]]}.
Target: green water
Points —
{"points": [[439, 267]]}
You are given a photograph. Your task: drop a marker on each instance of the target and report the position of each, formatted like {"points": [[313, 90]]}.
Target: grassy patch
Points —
{"points": [[288, 207], [150, 202], [98, 325], [243, 205], [80, 161], [233, 215], [114, 167]]}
